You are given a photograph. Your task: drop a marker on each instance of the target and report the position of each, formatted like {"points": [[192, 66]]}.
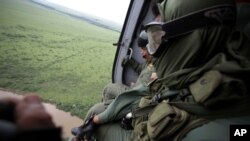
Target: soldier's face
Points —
{"points": [[145, 54]]}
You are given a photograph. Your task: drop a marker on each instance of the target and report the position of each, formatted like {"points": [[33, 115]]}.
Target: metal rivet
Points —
{"points": [[203, 81]]}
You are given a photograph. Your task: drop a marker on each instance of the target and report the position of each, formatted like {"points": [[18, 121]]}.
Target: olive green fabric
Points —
{"points": [[113, 132], [133, 92], [185, 58], [129, 97], [96, 109], [123, 104], [145, 76], [165, 120], [206, 85], [136, 66], [173, 9], [112, 90], [243, 17], [213, 88], [120, 107], [217, 130], [144, 70]]}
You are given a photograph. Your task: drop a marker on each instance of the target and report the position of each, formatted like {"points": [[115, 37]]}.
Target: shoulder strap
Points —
{"points": [[236, 109], [143, 111]]}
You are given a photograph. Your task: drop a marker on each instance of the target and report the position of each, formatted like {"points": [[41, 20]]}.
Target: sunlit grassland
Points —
{"points": [[64, 60]]}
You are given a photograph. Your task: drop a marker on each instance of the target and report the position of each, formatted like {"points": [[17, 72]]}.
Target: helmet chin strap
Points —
{"points": [[216, 15], [160, 49]]}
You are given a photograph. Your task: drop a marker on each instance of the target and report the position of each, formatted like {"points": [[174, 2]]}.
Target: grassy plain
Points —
{"points": [[65, 60]]}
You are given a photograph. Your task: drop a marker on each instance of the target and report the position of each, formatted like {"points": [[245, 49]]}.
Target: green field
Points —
{"points": [[65, 60]]}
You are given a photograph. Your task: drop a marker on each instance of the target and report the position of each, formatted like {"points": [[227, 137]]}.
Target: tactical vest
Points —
{"points": [[213, 96]]}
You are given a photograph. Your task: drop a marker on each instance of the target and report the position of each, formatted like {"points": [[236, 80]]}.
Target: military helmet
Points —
{"points": [[155, 33], [143, 39], [184, 16]]}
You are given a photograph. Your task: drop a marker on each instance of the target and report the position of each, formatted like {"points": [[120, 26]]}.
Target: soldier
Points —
{"points": [[111, 90], [147, 74], [202, 85], [202, 64]]}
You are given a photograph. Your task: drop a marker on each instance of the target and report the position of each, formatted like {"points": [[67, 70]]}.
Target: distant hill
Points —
{"points": [[80, 15]]}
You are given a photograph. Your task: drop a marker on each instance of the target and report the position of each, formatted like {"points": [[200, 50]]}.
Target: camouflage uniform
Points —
{"points": [[211, 63], [113, 131], [208, 65], [112, 90]]}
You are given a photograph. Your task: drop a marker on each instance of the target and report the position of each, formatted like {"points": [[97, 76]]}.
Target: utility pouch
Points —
{"points": [[140, 119], [215, 88], [140, 132], [205, 86], [165, 120], [141, 113], [155, 87], [145, 101]]}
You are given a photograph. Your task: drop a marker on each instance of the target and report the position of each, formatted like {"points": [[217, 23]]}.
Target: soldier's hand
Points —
{"points": [[125, 60], [156, 98], [87, 130], [126, 122]]}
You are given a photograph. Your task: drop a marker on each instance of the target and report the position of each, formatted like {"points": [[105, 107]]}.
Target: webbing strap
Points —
{"points": [[143, 111], [216, 15], [164, 94], [236, 109]]}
